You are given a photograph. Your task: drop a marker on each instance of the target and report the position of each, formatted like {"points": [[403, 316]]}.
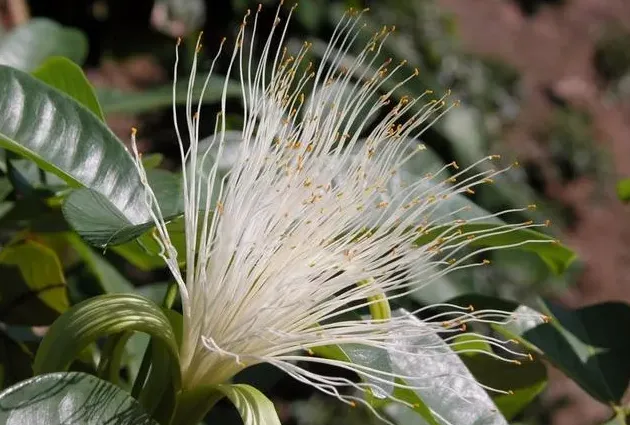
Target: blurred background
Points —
{"points": [[546, 82]]}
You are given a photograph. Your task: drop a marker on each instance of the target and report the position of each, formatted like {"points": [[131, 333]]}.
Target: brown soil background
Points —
{"points": [[553, 50]]}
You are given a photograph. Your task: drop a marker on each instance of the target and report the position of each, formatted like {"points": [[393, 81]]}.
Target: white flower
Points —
{"points": [[312, 225]]}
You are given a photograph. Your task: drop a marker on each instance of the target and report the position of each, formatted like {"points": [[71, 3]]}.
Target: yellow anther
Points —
{"points": [[485, 261], [532, 207], [547, 223], [134, 130]]}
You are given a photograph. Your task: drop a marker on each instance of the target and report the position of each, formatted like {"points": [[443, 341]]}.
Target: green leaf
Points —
{"points": [[110, 279], [583, 343], [116, 101], [623, 190], [139, 255], [70, 397], [513, 404], [365, 356], [419, 406], [524, 381], [586, 345], [15, 361], [101, 223], [445, 385], [143, 252], [34, 289], [152, 160], [102, 316], [252, 405], [469, 345], [556, 256], [63, 137], [66, 76], [30, 44]]}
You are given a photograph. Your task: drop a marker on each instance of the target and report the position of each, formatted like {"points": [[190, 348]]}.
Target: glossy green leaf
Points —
{"points": [[365, 356], [253, 406], [33, 285], [444, 383], [623, 190], [66, 76], [30, 44], [101, 223], [69, 398], [65, 138], [583, 343], [556, 256], [98, 317], [586, 345], [116, 101]]}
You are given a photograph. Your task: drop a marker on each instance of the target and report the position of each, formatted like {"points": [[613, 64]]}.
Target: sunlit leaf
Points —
{"points": [[65, 138], [445, 385], [365, 356], [253, 406], [66, 76], [69, 397], [33, 285], [101, 223], [99, 317]]}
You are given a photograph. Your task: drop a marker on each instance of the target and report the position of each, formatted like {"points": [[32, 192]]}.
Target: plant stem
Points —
{"points": [[193, 405], [167, 302]]}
